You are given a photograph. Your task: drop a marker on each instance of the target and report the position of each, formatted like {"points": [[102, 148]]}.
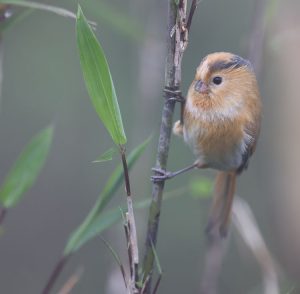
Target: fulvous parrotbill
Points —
{"points": [[221, 123]]}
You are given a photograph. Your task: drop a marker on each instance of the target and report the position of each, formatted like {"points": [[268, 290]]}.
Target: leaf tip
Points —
{"points": [[79, 12]]}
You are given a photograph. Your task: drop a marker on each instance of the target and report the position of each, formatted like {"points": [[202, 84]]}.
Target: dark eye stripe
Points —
{"points": [[235, 62]]}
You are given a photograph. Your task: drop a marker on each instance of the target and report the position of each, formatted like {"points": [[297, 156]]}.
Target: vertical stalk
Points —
{"points": [[163, 145], [125, 169], [130, 230], [176, 44], [55, 274]]}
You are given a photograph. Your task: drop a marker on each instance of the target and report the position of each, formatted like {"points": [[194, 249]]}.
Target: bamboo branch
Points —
{"points": [[176, 44], [130, 232], [71, 282], [55, 274]]}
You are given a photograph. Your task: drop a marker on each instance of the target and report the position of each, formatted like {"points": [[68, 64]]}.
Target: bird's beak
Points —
{"points": [[201, 87]]}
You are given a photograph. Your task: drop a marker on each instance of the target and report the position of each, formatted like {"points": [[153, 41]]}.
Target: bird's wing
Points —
{"points": [[251, 130]]}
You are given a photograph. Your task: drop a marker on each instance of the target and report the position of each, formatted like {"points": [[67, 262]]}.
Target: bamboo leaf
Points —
{"points": [[98, 80], [96, 221], [24, 172], [117, 259], [156, 258], [159, 269], [105, 220], [107, 155]]}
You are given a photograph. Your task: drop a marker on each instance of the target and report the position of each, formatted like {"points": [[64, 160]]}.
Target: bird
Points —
{"points": [[221, 124]]}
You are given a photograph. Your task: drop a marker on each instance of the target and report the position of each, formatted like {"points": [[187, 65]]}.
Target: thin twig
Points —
{"points": [[213, 262], [191, 14], [246, 225], [157, 284], [3, 212], [176, 45], [145, 285], [117, 259], [71, 282], [130, 231], [55, 274], [133, 255], [125, 168]]}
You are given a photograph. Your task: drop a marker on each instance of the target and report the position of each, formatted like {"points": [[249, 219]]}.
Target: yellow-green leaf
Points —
{"points": [[107, 155], [26, 169], [98, 79]]}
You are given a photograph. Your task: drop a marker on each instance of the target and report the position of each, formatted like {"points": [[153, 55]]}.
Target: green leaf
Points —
{"points": [[26, 169], [201, 187], [107, 155], [96, 221], [157, 262], [105, 220], [98, 80], [117, 259]]}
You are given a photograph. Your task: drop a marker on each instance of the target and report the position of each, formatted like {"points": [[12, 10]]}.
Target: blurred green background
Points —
{"points": [[42, 83]]}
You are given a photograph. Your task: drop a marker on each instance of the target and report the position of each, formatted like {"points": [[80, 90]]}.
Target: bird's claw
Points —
{"points": [[174, 95], [162, 175]]}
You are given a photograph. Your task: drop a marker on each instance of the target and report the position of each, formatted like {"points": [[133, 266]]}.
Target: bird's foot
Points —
{"points": [[161, 175], [174, 94]]}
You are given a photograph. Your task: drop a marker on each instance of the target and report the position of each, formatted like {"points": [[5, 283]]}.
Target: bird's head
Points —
{"points": [[223, 78]]}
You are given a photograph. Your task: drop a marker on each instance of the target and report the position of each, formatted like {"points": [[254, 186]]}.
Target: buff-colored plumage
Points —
{"points": [[222, 120], [222, 123]]}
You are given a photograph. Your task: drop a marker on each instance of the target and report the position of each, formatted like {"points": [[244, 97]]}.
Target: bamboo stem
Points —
{"points": [[176, 44], [130, 231], [55, 274]]}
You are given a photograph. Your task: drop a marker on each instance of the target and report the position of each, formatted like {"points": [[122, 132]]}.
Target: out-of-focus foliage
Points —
{"points": [[112, 15], [26, 169], [201, 187]]}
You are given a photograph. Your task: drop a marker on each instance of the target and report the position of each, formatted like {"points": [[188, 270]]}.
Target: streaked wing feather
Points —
{"points": [[252, 131]]}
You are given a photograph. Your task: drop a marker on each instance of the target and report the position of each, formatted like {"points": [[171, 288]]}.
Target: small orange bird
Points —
{"points": [[221, 123]]}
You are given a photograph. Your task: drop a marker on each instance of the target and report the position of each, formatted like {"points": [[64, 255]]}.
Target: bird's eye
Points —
{"points": [[217, 80]]}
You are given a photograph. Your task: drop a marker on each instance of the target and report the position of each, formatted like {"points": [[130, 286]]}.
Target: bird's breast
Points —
{"points": [[216, 142]]}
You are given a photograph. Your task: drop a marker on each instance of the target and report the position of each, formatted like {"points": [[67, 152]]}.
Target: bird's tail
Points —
{"points": [[219, 216]]}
